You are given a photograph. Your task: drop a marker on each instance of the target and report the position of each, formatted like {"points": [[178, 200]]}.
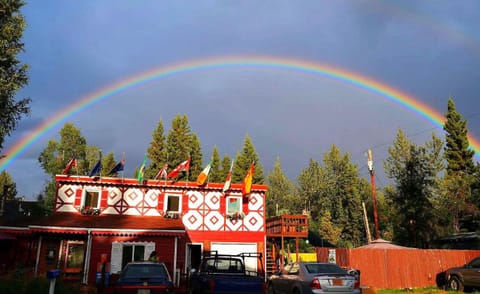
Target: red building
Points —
{"points": [[111, 221]]}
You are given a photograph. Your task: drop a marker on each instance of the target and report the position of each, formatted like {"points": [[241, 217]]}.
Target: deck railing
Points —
{"points": [[287, 226]]}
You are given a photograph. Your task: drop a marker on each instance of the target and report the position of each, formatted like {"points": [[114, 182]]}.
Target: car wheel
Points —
{"points": [[270, 289], [455, 284]]}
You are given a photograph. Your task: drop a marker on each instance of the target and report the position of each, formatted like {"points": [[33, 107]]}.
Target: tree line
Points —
{"points": [[435, 188]]}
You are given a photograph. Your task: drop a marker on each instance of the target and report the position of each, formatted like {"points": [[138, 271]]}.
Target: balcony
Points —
{"points": [[288, 226]]}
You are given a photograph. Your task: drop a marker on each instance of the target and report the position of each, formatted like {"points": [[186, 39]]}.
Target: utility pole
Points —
{"points": [[374, 196]]}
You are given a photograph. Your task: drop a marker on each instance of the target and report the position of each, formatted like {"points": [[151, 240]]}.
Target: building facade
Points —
{"points": [[100, 224]]}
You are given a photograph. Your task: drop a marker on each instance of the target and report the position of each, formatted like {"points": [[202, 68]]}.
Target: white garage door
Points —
{"points": [[237, 248]]}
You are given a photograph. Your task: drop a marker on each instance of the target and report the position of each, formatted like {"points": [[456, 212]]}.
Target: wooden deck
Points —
{"points": [[287, 226]]}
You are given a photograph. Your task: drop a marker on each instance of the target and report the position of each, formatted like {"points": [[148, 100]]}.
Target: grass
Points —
{"points": [[428, 290]]}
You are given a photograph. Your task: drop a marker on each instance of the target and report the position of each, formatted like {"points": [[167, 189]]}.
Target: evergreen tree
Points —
{"points": [[327, 229], [457, 152], [309, 187], [156, 152], [225, 167], [8, 188], [108, 162], [215, 172], [341, 186], [196, 162], [280, 191], [243, 161], [460, 178], [414, 170], [13, 74], [178, 142]]}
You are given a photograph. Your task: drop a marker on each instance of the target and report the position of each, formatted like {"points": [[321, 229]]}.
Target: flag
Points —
{"points": [[73, 162], [141, 170], [184, 166], [202, 177], [228, 180], [162, 173], [117, 168], [96, 169], [247, 181]]}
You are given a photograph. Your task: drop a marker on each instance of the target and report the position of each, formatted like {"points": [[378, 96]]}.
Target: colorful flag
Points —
{"points": [[247, 181], [184, 166], [96, 169], [202, 177], [141, 170], [162, 174], [73, 162], [117, 168], [228, 180]]}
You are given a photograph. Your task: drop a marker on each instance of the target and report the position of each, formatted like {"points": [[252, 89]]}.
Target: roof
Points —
{"points": [[382, 244], [107, 224], [133, 182]]}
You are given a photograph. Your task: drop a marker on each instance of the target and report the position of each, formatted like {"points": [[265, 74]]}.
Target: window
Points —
{"points": [[125, 252], [75, 254], [91, 199], [172, 206], [133, 252], [173, 203], [234, 205]]}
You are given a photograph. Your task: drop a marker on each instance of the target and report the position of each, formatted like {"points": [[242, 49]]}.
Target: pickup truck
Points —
{"points": [[224, 273]]}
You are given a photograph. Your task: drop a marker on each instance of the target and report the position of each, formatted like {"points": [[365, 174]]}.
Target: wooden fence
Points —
{"points": [[399, 268]]}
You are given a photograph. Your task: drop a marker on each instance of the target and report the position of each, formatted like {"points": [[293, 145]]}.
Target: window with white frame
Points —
{"points": [[125, 252], [91, 198], [234, 205]]}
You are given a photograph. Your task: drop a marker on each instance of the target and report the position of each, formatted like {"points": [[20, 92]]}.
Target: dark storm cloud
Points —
{"points": [[427, 49]]}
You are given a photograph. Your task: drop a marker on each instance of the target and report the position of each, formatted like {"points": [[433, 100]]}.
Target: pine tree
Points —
{"points": [[13, 74], [156, 152], [196, 162], [309, 187], [215, 174], [181, 144], [280, 191], [243, 161], [225, 167], [340, 184], [414, 170], [457, 153], [460, 168]]}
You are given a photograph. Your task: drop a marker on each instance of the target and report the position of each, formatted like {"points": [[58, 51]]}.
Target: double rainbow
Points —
{"points": [[286, 64]]}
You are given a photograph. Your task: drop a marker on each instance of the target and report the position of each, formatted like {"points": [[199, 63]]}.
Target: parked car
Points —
{"points": [[225, 273], [144, 277], [464, 277], [313, 277]]}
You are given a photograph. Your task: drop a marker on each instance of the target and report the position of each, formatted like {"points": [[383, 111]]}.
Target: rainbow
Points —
{"points": [[286, 64]]}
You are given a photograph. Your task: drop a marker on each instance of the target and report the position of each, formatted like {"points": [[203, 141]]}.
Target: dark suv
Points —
{"points": [[464, 277]]}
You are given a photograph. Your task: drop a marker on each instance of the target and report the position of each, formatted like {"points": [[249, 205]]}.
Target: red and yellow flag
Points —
{"points": [[247, 181]]}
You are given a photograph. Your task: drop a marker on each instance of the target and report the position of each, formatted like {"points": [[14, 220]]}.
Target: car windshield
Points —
{"points": [[144, 270], [324, 268]]}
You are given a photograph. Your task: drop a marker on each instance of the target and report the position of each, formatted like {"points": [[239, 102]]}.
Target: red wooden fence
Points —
{"points": [[399, 268]]}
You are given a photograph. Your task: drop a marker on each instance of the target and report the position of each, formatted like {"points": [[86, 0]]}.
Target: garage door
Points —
{"points": [[237, 248]]}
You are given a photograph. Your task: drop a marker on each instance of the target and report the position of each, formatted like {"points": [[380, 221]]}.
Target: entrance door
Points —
{"points": [[194, 256], [74, 260]]}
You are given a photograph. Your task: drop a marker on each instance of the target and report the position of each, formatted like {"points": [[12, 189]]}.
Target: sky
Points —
{"points": [[235, 69]]}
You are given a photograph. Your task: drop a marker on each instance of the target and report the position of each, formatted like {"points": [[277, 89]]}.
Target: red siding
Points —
{"points": [[399, 268]]}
